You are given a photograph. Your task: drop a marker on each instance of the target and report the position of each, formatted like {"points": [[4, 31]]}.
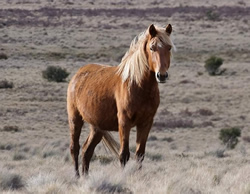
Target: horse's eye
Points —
{"points": [[152, 49], [170, 48]]}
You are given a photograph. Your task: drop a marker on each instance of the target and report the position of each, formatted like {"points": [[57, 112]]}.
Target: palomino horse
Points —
{"points": [[117, 98]]}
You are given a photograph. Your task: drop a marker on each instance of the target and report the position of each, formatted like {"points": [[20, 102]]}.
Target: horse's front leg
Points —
{"points": [[124, 131], [141, 139]]}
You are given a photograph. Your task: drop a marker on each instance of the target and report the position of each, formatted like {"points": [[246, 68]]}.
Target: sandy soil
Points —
{"points": [[194, 106]]}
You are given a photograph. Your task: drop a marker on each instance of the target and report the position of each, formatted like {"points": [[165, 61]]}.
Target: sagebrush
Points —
{"points": [[229, 136], [213, 64], [54, 73], [6, 84]]}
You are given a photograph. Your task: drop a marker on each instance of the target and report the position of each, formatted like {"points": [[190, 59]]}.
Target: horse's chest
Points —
{"points": [[145, 104]]}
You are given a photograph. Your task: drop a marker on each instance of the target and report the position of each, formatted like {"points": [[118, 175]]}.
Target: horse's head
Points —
{"points": [[158, 50]]}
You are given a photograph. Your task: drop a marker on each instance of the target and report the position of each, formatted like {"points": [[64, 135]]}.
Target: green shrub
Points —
{"points": [[229, 136], [213, 64], [53, 73]]}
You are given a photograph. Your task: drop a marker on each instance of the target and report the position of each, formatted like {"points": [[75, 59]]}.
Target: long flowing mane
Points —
{"points": [[134, 64]]}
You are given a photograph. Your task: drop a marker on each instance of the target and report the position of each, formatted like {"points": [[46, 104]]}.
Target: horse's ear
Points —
{"points": [[152, 30], [169, 29]]}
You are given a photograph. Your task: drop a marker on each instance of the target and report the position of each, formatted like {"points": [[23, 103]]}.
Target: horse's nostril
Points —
{"points": [[162, 76], [166, 75], [158, 75]]}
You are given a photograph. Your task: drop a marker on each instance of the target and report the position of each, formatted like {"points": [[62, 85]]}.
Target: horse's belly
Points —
{"points": [[100, 112]]}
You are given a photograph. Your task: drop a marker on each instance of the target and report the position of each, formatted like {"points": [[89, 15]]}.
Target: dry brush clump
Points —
{"points": [[4, 84], [19, 156], [213, 64], [205, 112], [11, 128], [173, 122], [3, 56], [229, 136], [212, 15], [10, 181], [54, 73]]}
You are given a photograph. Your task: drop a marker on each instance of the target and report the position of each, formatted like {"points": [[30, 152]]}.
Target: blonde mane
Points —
{"points": [[134, 64]]}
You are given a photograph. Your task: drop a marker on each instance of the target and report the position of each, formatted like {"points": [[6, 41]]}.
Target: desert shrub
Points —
{"points": [[10, 181], [217, 179], [6, 84], [212, 65], [56, 55], [205, 112], [179, 123], [229, 136], [168, 139], [19, 156], [3, 56], [206, 124], [53, 73], [211, 15], [6, 146], [186, 112], [10, 128], [174, 123]]}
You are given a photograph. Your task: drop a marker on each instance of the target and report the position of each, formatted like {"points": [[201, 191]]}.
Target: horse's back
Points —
{"points": [[91, 93]]}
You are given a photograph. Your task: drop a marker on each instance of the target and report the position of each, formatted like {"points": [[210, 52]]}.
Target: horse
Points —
{"points": [[117, 98]]}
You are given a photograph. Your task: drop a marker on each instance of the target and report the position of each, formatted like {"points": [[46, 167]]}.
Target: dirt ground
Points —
{"points": [[183, 143]]}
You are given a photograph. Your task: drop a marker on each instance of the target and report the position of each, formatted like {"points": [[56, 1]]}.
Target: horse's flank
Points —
{"points": [[89, 89]]}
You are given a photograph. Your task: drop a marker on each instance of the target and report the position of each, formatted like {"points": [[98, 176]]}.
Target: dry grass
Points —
{"points": [[175, 174], [10, 181], [183, 154]]}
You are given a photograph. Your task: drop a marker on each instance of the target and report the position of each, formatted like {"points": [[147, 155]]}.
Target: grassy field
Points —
{"points": [[184, 153]]}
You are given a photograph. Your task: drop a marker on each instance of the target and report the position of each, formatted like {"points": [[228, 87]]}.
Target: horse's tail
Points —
{"points": [[110, 143]]}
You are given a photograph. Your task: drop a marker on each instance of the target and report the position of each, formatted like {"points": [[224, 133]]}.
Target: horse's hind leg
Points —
{"points": [[93, 139], [75, 124]]}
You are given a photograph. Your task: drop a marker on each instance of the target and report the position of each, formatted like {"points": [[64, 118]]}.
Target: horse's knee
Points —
{"points": [[124, 157]]}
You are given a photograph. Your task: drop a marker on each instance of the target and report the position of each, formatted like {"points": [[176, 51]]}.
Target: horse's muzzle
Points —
{"points": [[161, 78]]}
